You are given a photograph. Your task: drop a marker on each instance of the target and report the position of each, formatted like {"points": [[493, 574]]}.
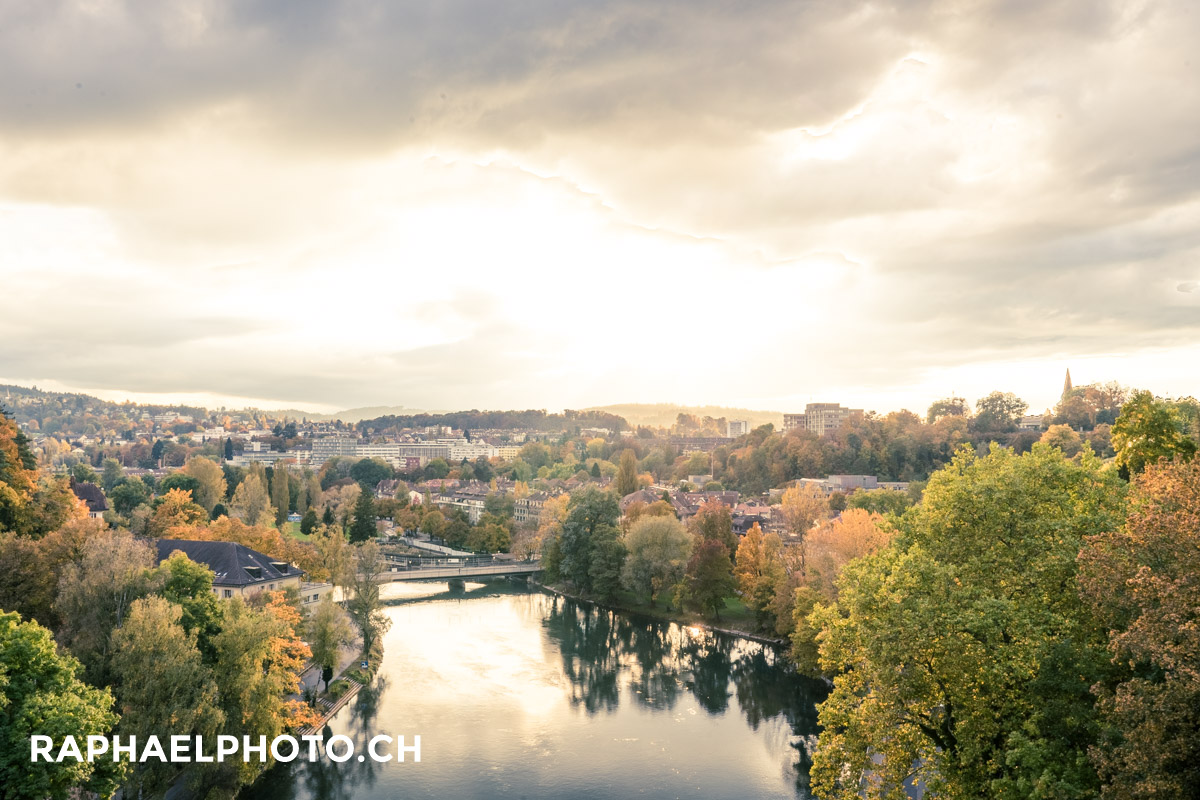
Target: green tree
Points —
{"points": [[433, 523], [40, 693], [879, 501], [113, 474], [1065, 439], [364, 605], [189, 586], [164, 687], [329, 630], [281, 495], [1147, 430], [714, 523], [590, 516], [999, 412], [608, 558], [1141, 580], [948, 407], [658, 551], [709, 577], [128, 495], [963, 656], [627, 477], [310, 522], [181, 481], [83, 473], [370, 471], [228, 449]]}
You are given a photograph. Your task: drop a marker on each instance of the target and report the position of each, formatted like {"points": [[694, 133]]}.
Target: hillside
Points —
{"points": [[664, 414]]}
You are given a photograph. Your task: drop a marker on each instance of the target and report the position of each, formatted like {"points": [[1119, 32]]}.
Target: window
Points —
{"points": [[271, 587], [229, 593]]}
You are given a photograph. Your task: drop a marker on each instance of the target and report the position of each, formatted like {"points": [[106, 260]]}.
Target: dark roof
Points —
{"points": [[233, 564], [91, 494]]}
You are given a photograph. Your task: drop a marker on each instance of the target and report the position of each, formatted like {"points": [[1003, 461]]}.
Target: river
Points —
{"points": [[519, 693]]}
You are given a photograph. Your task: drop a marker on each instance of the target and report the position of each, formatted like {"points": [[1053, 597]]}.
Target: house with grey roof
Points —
{"points": [[239, 571]]}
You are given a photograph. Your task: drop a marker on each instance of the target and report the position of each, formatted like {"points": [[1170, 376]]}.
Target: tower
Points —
{"points": [[1067, 384]]}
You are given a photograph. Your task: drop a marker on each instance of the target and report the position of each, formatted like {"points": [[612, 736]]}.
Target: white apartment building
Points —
{"points": [[819, 418]]}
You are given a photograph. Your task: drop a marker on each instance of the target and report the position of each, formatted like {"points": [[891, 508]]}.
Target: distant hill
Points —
{"points": [[663, 415]]}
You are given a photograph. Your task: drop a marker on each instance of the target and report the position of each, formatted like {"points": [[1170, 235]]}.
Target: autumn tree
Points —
{"points": [[802, 506], [659, 548], [760, 572], [963, 657], [41, 693], [250, 502], [1064, 438], [948, 407], [1141, 580], [210, 482], [713, 522], [95, 594], [175, 509]]}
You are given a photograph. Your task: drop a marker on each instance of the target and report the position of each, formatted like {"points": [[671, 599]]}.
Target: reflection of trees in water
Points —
{"points": [[602, 651]]}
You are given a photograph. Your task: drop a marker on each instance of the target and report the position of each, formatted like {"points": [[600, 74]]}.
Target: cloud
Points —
{"points": [[438, 204]]}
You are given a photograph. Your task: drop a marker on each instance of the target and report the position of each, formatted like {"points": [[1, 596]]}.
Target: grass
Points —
{"points": [[292, 529], [734, 616]]}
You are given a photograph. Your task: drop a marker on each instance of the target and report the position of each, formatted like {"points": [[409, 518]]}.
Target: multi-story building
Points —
{"points": [[736, 427], [239, 571], [819, 418], [528, 510], [328, 447]]}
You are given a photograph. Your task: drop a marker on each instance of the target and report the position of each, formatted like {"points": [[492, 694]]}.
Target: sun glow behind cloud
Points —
{"points": [[572, 206]]}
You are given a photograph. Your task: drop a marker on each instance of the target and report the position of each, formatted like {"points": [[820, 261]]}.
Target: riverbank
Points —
{"points": [[739, 622]]}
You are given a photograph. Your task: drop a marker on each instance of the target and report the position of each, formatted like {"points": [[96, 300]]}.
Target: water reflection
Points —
{"points": [[524, 694]]}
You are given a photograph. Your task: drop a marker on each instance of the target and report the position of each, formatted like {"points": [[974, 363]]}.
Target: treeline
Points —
{"points": [[98, 638], [533, 419]]}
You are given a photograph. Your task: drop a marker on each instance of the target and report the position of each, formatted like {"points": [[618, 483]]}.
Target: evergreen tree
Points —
{"points": [[228, 449], [363, 527], [280, 494]]}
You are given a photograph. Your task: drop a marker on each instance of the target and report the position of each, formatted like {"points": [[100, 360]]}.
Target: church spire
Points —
{"points": [[1067, 384]]}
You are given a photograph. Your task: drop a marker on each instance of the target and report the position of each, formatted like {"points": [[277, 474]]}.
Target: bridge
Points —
{"points": [[422, 568]]}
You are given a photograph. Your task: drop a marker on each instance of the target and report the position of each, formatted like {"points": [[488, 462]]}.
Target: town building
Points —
{"points": [[736, 427], [92, 496], [239, 571], [819, 418]]}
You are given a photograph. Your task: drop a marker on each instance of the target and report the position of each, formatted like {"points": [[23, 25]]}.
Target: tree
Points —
{"points": [[95, 594], [40, 693], [1062, 437], [364, 605], [329, 629], [281, 495], [591, 512], [179, 481], [802, 506], [948, 407], [879, 501], [1141, 580], [370, 471], [335, 554], [228, 449], [658, 551], [128, 495], [309, 522], [1147, 430], [164, 687], [627, 478], [492, 534], [595, 471], [999, 412], [760, 572], [433, 523], [250, 502], [709, 577], [113, 474], [714, 523], [210, 482], [175, 509], [189, 586], [963, 659], [607, 559], [259, 657]]}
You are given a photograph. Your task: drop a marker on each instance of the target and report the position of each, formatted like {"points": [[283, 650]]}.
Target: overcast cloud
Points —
{"points": [[549, 204]]}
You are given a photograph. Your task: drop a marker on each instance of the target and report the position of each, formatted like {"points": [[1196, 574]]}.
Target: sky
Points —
{"points": [[472, 204]]}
